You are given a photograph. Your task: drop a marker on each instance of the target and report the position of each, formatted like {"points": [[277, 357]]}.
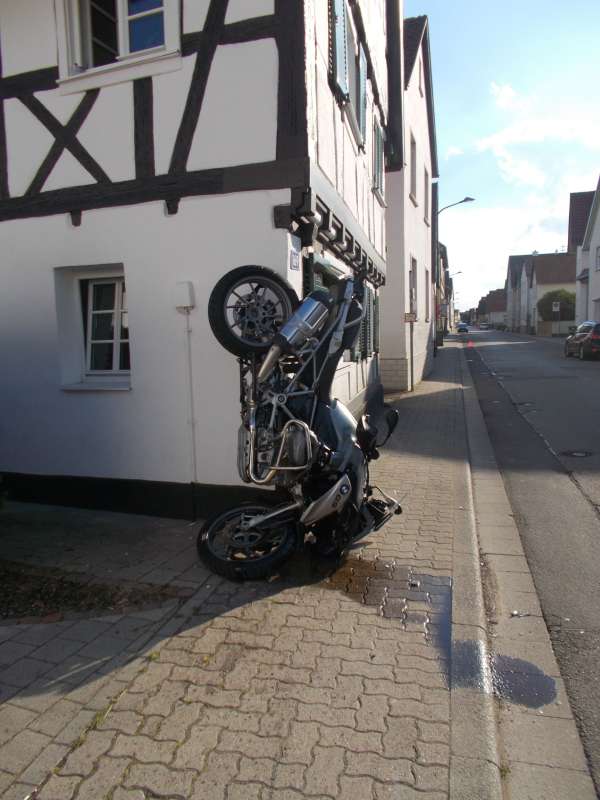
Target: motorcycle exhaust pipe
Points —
{"points": [[269, 363], [304, 324]]}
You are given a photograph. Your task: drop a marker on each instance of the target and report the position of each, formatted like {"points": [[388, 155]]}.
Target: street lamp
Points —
{"points": [[456, 273], [464, 200]]}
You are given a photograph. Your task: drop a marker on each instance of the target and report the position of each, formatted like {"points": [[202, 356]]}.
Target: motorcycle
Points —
{"points": [[294, 435]]}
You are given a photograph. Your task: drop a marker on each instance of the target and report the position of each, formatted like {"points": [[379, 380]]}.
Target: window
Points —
{"points": [[105, 326], [348, 69], [427, 293], [100, 37], [421, 77], [598, 258], [413, 169], [426, 195], [378, 160], [412, 286]]}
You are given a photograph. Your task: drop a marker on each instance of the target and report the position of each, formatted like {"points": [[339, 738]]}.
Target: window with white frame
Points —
{"points": [[378, 160], [348, 68], [598, 258], [97, 37], [412, 286], [413, 169], [427, 293], [426, 195], [105, 326]]}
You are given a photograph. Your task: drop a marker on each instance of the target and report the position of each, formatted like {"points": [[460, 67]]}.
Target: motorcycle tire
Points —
{"points": [[247, 307], [232, 563]]}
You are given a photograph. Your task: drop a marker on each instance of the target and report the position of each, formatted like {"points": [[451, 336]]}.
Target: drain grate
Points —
{"points": [[576, 453]]}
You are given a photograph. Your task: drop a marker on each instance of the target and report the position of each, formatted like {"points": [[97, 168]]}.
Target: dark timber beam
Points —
{"points": [[215, 20], [65, 139], [143, 123], [292, 124], [221, 180]]}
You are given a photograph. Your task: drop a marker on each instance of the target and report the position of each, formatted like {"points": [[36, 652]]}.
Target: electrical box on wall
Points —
{"points": [[184, 296]]}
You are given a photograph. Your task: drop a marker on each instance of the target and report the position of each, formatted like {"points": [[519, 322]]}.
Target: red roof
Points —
{"points": [[580, 204], [496, 300], [554, 267]]}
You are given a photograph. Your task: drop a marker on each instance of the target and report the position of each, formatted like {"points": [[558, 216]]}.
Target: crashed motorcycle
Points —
{"points": [[294, 435]]}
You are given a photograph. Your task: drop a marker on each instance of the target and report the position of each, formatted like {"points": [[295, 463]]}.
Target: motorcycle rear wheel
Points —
{"points": [[244, 555], [247, 307]]}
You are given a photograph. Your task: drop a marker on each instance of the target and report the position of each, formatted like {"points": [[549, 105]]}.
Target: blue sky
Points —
{"points": [[517, 102]]}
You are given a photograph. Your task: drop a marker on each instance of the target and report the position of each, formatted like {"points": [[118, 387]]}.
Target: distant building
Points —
{"points": [[588, 264], [496, 307], [528, 279]]}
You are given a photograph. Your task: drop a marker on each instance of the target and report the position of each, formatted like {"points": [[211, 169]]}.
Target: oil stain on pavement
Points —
{"points": [[423, 603]]}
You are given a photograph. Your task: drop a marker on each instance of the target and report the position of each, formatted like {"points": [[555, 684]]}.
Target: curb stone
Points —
{"points": [[541, 755], [475, 772]]}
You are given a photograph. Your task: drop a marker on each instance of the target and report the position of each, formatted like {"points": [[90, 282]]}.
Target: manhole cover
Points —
{"points": [[576, 453]]}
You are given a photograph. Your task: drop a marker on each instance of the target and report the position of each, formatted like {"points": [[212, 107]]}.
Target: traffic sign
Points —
{"points": [[556, 305], [410, 316]]}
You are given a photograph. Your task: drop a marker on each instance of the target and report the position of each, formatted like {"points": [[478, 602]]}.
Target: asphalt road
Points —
{"points": [[539, 406]]}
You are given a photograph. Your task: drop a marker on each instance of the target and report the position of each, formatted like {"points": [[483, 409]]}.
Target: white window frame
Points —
{"points": [[427, 295], [116, 341], [75, 77], [413, 169], [598, 258], [413, 281], [426, 195], [378, 162]]}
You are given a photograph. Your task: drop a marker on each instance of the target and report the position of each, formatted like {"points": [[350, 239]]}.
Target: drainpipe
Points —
{"points": [[185, 304]]}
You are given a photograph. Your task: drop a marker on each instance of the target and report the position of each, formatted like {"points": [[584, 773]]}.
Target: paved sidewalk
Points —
{"points": [[311, 685]]}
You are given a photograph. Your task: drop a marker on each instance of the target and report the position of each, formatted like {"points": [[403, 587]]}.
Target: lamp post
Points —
{"points": [[466, 199], [458, 202]]}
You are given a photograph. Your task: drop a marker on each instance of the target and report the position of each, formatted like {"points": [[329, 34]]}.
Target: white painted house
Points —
{"points": [[407, 346], [146, 148], [588, 265], [528, 280]]}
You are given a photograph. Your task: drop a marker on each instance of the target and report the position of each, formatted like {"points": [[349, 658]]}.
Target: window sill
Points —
{"points": [[121, 71], [98, 386], [413, 199], [350, 115], [380, 197]]}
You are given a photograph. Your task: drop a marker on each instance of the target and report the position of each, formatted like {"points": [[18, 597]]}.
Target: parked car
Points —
{"points": [[483, 326], [585, 342], [462, 327]]}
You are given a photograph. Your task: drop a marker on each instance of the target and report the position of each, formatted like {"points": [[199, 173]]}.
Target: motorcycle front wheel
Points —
{"points": [[244, 554], [247, 307]]}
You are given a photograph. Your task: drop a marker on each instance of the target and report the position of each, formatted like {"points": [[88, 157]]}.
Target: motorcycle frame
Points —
{"points": [[249, 398]]}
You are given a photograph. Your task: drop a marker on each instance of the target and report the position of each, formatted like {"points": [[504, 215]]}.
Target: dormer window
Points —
{"points": [[100, 39]]}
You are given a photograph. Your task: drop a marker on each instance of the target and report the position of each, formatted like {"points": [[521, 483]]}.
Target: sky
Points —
{"points": [[517, 106]]}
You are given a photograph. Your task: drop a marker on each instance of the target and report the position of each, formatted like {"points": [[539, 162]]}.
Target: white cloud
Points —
{"points": [[480, 240], [454, 151], [507, 98], [519, 171]]}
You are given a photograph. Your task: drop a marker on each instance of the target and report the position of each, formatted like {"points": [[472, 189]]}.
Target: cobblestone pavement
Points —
{"points": [[317, 684]]}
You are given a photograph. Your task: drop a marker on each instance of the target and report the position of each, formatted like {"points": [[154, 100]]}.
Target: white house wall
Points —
{"points": [[415, 232], [243, 9], [48, 423], [34, 49], [594, 271], [238, 121], [143, 433], [331, 141]]}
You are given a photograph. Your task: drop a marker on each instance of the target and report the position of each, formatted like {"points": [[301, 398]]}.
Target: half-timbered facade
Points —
{"points": [[146, 148]]}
